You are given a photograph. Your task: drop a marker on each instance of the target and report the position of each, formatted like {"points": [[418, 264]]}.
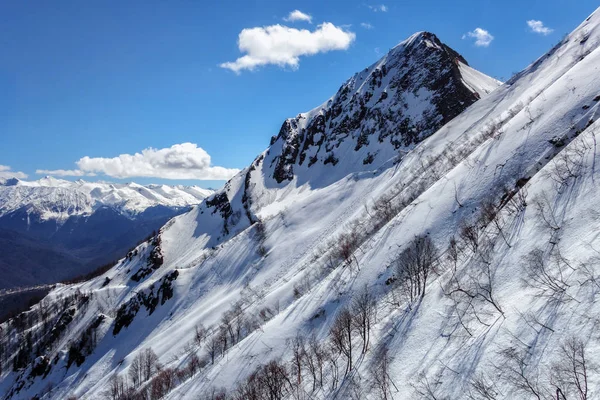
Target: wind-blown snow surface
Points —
{"points": [[533, 138], [59, 199]]}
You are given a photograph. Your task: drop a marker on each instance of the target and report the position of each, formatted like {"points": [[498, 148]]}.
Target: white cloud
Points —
{"points": [[283, 46], [180, 161], [538, 27], [6, 173], [298, 15], [380, 7], [366, 25], [482, 37]]}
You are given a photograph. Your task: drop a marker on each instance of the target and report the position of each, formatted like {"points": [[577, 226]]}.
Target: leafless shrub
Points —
{"points": [[380, 374], [549, 279], [348, 243], [515, 370], [270, 381], [298, 357], [135, 372], [469, 234], [341, 336], [384, 210], [470, 291], [549, 216], [414, 265], [212, 346], [428, 389], [162, 383], [516, 200], [223, 337], [490, 214], [117, 387], [363, 311], [316, 356], [194, 365], [302, 286], [150, 363], [568, 164], [571, 373], [483, 388], [200, 334]]}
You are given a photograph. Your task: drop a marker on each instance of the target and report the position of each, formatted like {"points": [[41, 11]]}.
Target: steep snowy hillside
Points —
{"points": [[463, 265], [53, 229]]}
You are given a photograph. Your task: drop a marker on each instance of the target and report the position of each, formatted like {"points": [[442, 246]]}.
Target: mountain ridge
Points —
{"points": [[503, 189]]}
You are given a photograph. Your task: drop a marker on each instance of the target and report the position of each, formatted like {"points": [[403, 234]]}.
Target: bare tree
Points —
{"points": [[162, 383], [298, 357], [223, 339], [471, 289], [483, 388], [193, 365], [414, 265], [136, 370], [549, 215], [212, 347], [363, 314], [199, 334], [275, 380], [550, 280], [116, 387], [380, 374], [490, 214], [571, 372], [341, 336], [317, 355], [515, 370], [469, 234], [227, 326], [150, 363], [427, 389]]}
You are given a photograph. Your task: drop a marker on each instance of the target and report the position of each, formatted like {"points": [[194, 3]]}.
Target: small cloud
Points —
{"points": [[380, 7], [298, 15], [377, 50], [538, 27], [6, 173], [180, 161], [482, 37], [366, 25], [283, 46]]}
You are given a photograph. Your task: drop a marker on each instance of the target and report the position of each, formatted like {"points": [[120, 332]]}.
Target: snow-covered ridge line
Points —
{"points": [[226, 289], [59, 199]]}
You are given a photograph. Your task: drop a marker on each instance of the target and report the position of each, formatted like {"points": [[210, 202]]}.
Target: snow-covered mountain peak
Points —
{"points": [[380, 112]]}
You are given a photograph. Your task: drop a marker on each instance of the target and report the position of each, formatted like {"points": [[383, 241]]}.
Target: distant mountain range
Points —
{"points": [[53, 229]]}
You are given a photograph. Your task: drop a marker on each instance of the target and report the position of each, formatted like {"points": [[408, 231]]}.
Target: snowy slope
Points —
{"points": [[512, 178], [59, 199]]}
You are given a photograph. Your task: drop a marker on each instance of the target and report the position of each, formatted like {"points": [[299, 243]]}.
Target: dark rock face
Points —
{"points": [[148, 299], [400, 100], [220, 203]]}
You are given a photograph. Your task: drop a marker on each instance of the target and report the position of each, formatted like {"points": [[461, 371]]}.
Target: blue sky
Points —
{"points": [[104, 79]]}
